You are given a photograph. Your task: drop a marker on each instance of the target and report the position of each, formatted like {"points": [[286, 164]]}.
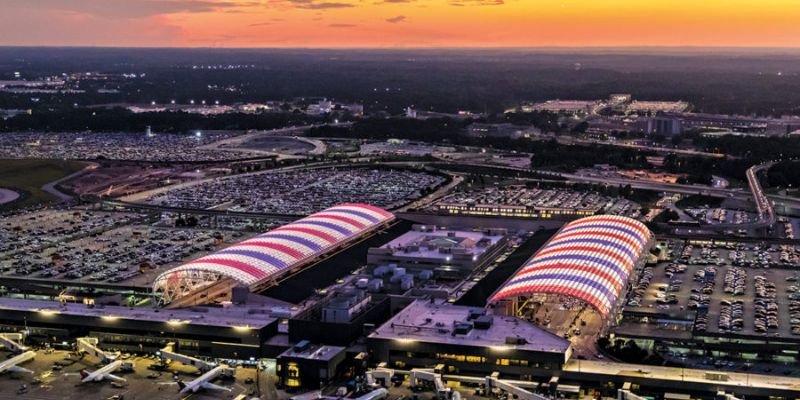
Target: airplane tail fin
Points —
{"points": [[84, 373], [181, 385]]}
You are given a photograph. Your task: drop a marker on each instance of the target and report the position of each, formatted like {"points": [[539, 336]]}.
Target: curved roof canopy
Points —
{"points": [[264, 257], [589, 259]]}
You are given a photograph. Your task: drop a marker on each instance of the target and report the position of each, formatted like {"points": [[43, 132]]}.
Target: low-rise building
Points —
{"points": [[447, 253], [506, 130], [467, 340], [516, 211], [309, 366]]}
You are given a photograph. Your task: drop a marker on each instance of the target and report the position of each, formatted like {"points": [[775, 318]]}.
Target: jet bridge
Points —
{"points": [[89, 345], [384, 374], [13, 342], [442, 391], [168, 353], [520, 393]]}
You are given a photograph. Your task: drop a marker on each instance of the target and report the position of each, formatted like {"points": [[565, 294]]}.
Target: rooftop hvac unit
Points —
{"points": [[425, 275], [514, 340], [483, 322], [302, 346], [473, 314], [461, 328]]}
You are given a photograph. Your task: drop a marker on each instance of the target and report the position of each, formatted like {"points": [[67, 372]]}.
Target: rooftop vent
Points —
{"points": [[302, 346]]}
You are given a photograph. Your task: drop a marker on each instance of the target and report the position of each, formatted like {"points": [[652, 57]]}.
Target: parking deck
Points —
{"points": [[746, 290]]}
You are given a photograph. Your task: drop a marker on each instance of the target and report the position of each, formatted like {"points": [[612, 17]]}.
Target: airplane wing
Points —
{"points": [[211, 386], [115, 378], [19, 369]]}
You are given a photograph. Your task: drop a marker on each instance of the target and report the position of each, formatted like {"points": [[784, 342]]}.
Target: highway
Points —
{"points": [[766, 213], [657, 149], [635, 183], [199, 211], [657, 186]]}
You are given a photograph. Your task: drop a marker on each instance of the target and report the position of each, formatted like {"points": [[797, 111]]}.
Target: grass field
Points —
{"points": [[28, 176]]}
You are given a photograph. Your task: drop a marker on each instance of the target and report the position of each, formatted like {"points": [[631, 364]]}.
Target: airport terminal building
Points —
{"points": [[591, 260], [206, 306]]}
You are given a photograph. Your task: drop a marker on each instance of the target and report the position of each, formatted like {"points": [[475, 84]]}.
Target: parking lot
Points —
{"points": [[117, 146], [27, 232], [112, 247], [302, 192], [737, 288], [722, 216], [126, 254], [544, 198]]}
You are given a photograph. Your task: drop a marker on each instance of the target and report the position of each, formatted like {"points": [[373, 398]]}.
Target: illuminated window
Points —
{"points": [[292, 375]]}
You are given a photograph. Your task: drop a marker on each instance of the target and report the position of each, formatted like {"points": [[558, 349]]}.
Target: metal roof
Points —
{"points": [[266, 256], [589, 259]]}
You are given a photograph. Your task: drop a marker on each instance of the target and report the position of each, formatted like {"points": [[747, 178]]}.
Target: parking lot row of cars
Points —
{"points": [[793, 293], [637, 293], [731, 316], [700, 299], [735, 281], [766, 306]]}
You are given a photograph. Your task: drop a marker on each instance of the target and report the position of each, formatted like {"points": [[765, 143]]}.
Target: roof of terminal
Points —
{"points": [[589, 259], [433, 323], [427, 243], [265, 256], [314, 352], [243, 317]]}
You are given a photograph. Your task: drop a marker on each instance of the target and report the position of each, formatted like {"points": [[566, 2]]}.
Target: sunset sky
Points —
{"points": [[400, 23]]}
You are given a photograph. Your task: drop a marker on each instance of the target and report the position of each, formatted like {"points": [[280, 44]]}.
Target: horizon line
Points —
{"points": [[405, 48]]}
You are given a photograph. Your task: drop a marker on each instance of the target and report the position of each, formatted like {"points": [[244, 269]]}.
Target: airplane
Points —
{"points": [[11, 365], [104, 373], [204, 381]]}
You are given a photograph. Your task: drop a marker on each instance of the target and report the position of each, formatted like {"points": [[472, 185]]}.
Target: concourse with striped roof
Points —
{"points": [[262, 259], [590, 259]]}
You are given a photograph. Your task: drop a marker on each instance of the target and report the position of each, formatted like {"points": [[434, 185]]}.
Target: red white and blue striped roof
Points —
{"points": [[589, 259], [265, 256]]}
